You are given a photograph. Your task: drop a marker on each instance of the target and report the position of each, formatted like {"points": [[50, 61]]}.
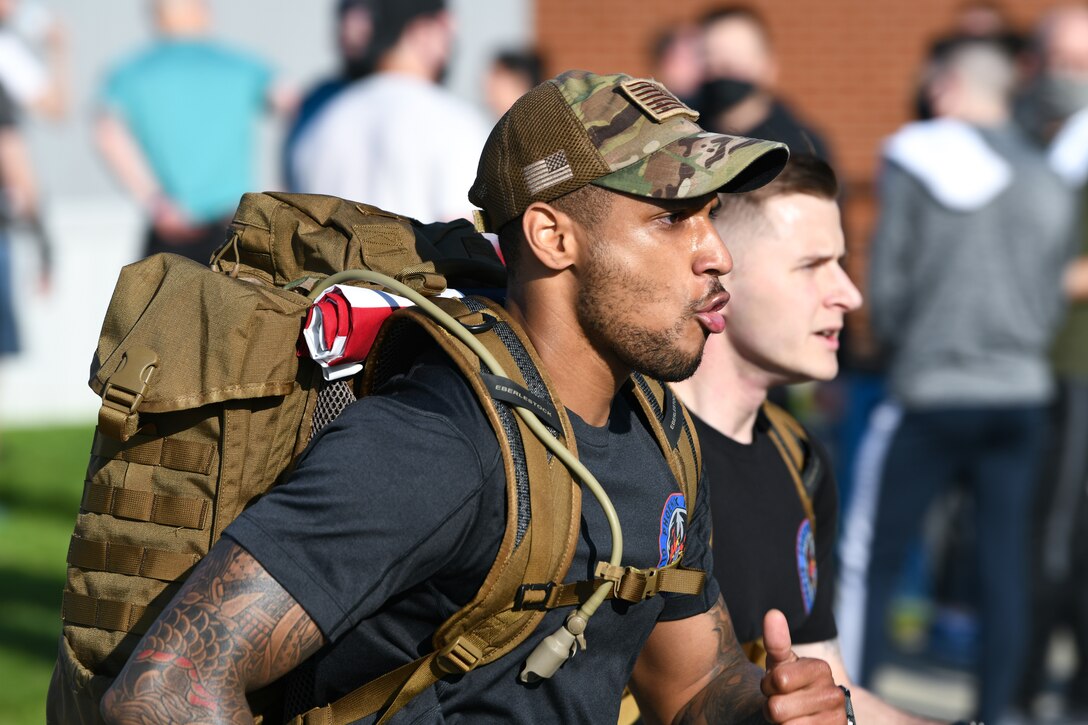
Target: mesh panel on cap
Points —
{"points": [[536, 127]]}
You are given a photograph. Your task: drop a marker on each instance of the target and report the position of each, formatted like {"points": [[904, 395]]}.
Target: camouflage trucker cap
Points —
{"points": [[625, 134]]}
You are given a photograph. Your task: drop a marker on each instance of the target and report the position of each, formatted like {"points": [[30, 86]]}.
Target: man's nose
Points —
{"points": [[713, 258], [845, 293]]}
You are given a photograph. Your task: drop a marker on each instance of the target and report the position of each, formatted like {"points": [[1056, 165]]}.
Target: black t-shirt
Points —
{"points": [[394, 516], [765, 553]]}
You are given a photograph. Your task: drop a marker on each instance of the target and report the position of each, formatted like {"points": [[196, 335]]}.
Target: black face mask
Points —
{"points": [[1062, 95], [721, 94], [356, 68]]}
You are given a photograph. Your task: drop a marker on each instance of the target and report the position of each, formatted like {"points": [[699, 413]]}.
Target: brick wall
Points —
{"points": [[848, 67]]}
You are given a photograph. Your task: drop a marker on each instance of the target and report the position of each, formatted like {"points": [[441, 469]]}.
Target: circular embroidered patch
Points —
{"points": [[806, 564], [673, 529]]}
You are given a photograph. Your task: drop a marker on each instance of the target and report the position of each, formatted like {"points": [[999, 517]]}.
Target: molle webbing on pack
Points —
{"points": [[206, 404]]}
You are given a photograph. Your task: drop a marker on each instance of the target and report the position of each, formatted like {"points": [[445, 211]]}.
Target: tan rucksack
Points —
{"points": [[206, 405]]}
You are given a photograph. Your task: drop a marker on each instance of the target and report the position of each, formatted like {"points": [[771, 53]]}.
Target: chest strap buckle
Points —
{"points": [[527, 596], [630, 584]]}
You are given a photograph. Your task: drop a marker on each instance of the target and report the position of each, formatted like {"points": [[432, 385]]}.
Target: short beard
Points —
{"points": [[651, 352]]}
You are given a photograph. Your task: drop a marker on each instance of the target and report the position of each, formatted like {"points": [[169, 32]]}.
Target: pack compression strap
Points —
{"points": [[629, 585], [790, 439]]}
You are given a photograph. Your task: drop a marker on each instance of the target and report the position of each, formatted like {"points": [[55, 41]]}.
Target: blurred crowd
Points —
{"points": [[959, 425]]}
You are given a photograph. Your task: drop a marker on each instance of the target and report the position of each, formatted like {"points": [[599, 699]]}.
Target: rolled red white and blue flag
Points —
{"points": [[342, 323]]}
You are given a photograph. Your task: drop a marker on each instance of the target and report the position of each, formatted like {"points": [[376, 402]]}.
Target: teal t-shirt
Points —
{"points": [[193, 107]]}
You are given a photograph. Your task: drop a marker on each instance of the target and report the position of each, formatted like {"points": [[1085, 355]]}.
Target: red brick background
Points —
{"points": [[848, 67]]}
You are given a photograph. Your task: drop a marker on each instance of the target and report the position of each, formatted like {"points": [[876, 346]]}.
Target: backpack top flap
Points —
{"points": [[214, 338], [280, 238]]}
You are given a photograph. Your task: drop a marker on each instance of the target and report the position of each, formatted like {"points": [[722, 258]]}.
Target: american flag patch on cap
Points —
{"points": [[652, 97], [547, 172]]}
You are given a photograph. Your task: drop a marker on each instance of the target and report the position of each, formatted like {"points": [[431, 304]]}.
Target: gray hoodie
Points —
{"points": [[966, 266]]}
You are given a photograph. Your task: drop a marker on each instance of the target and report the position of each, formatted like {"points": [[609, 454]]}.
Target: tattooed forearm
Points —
{"points": [[232, 627], [733, 696]]}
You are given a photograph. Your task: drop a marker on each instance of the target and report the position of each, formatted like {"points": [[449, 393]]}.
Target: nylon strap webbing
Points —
{"points": [[117, 421], [634, 586], [125, 503], [785, 434], [170, 453], [407, 681], [129, 559], [363, 701], [668, 419], [423, 676], [106, 613]]}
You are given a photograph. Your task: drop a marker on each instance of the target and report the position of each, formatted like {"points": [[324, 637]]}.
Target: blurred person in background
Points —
{"points": [[677, 61], [789, 295], [933, 605], [1058, 87], [27, 32], [973, 19], [177, 127], [738, 94], [973, 233], [420, 163], [33, 58], [510, 75], [1058, 104], [18, 204], [354, 32]]}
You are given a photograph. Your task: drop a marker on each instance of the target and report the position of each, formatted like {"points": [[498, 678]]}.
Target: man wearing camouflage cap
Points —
{"points": [[602, 190]]}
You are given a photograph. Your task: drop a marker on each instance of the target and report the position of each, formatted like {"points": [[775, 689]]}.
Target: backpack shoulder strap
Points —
{"points": [[792, 441], [525, 581], [673, 428], [545, 514]]}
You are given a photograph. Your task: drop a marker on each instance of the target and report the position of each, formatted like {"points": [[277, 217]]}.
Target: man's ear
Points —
{"points": [[551, 236]]}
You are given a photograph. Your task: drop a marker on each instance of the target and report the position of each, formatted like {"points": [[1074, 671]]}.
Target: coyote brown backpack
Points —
{"points": [[206, 405]]}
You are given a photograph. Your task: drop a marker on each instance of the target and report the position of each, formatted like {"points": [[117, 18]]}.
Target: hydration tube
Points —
{"points": [[562, 644]]}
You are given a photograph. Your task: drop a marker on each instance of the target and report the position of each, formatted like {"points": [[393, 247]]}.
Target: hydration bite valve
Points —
{"points": [[555, 649]]}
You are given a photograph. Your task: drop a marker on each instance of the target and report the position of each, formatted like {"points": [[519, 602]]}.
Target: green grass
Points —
{"points": [[41, 482]]}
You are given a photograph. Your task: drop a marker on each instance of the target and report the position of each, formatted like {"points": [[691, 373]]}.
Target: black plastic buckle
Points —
{"points": [[489, 321], [519, 597]]}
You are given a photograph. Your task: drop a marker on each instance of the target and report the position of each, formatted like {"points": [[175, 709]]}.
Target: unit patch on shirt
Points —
{"points": [[806, 564], [673, 529]]}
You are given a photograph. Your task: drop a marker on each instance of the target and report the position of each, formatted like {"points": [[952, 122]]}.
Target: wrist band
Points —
{"points": [[850, 719]]}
